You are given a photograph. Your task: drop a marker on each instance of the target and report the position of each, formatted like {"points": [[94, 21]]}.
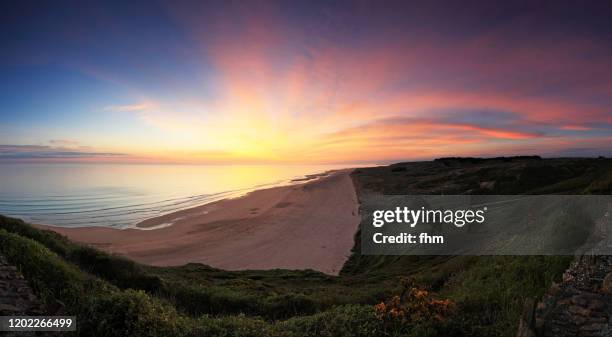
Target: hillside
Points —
{"points": [[113, 296]]}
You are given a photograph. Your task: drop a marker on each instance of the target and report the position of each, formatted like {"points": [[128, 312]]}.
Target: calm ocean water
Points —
{"points": [[76, 195]]}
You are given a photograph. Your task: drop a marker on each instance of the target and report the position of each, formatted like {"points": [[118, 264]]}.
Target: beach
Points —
{"points": [[307, 225]]}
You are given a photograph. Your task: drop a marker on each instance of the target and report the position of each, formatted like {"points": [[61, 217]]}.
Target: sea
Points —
{"points": [[122, 195]]}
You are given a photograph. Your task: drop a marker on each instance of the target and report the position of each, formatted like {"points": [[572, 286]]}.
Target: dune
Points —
{"points": [[302, 226]]}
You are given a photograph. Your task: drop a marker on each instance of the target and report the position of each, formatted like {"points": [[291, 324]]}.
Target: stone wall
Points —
{"points": [[580, 305], [17, 298]]}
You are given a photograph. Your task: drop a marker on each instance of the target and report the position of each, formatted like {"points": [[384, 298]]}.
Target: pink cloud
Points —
{"points": [[575, 128]]}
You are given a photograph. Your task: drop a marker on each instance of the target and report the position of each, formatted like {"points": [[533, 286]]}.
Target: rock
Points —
{"points": [[8, 308], [57, 308], [16, 297], [606, 286], [593, 327], [596, 305], [578, 300], [581, 304], [554, 288], [487, 185], [577, 310], [527, 321], [524, 331]]}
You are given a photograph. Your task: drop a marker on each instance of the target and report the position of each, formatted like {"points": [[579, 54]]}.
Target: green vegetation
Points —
{"points": [[113, 296]]}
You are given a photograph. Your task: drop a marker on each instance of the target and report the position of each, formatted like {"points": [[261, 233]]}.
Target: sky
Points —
{"points": [[248, 82]]}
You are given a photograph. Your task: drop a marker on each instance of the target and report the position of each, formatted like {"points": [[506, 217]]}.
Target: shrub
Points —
{"points": [[51, 240], [130, 313], [415, 310], [48, 275], [288, 305], [233, 326], [198, 300], [120, 271], [341, 321], [102, 309]]}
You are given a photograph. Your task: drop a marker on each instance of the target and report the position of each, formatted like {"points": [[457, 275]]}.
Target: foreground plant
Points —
{"points": [[413, 308]]}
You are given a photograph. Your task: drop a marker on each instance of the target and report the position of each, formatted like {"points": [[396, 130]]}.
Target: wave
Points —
{"points": [[109, 210]]}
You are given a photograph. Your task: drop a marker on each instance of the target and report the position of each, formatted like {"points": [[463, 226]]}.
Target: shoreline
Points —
{"points": [[305, 225], [152, 223]]}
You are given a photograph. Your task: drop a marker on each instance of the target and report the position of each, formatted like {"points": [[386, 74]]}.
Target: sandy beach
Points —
{"points": [[310, 225]]}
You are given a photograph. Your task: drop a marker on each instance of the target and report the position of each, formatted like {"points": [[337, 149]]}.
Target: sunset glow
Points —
{"points": [[319, 83]]}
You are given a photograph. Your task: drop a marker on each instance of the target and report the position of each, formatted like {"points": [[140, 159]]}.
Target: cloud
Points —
{"points": [[273, 90], [33, 152], [432, 128], [136, 107], [63, 142], [575, 128]]}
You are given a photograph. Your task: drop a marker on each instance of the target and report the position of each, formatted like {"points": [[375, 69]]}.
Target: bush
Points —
{"points": [[120, 271], [491, 293], [48, 275], [198, 300], [289, 305], [233, 326], [51, 240], [341, 321], [101, 308], [130, 313]]}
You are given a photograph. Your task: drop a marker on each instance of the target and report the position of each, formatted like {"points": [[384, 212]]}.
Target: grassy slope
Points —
{"points": [[199, 300], [489, 290]]}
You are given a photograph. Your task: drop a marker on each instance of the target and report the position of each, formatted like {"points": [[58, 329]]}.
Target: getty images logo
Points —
{"points": [[412, 217]]}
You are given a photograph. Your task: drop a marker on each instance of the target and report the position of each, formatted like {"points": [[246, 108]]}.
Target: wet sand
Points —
{"points": [[303, 226]]}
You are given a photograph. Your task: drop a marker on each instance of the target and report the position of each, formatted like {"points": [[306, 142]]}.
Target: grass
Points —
{"points": [[491, 292], [114, 296], [103, 309], [106, 307]]}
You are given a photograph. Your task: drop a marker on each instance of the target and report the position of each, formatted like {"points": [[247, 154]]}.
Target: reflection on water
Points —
{"points": [[75, 195]]}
